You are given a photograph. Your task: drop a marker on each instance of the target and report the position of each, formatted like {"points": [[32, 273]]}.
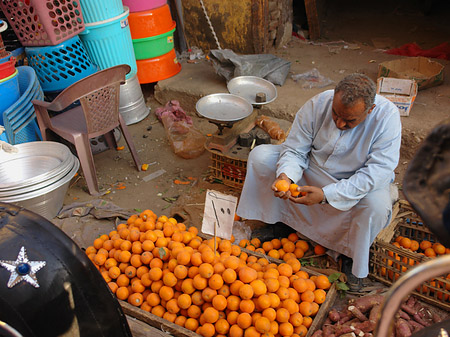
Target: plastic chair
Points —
{"points": [[98, 114]]}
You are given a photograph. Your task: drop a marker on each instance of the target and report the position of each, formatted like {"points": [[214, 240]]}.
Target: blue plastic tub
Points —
{"points": [[58, 67], [9, 92], [99, 10], [109, 43]]}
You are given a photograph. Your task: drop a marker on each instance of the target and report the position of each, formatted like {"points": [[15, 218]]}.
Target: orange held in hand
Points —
{"points": [[293, 190], [282, 185]]}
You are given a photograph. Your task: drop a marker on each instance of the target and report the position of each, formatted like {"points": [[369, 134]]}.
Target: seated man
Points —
{"points": [[342, 150]]}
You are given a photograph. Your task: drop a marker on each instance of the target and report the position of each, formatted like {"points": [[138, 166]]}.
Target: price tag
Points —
{"points": [[219, 212]]}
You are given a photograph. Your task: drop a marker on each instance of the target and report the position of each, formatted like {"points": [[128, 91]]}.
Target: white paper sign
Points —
{"points": [[220, 209]]}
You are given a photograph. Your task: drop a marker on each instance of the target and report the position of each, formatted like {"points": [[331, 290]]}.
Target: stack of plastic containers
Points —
{"points": [[152, 31], [107, 39], [19, 119], [49, 31], [9, 84]]}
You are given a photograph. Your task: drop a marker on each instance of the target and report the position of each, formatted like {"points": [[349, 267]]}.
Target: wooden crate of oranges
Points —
{"points": [[411, 243], [171, 278]]}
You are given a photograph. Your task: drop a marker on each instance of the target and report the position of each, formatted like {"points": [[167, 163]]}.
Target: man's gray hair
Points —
{"points": [[355, 87]]}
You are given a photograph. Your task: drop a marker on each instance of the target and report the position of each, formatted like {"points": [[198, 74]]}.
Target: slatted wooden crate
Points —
{"points": [[388, 262]]}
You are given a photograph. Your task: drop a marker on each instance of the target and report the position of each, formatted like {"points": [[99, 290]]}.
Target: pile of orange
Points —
{"points": [[424, 247], [161, 266], [284, 248]]}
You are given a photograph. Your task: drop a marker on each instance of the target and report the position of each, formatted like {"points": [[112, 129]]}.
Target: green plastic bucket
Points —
{"points": [[153, 46]]}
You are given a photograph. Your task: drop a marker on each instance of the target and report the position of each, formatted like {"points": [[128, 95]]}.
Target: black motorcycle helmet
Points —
{"points": [[48, 286]]}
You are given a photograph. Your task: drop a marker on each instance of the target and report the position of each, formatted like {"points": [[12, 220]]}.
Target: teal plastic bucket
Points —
{"points": [[99, 10], [108, 43], [153, 46], [9, 92]]}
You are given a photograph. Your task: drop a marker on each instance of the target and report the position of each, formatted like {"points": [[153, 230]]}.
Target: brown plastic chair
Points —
{"points": [[98, 114]]}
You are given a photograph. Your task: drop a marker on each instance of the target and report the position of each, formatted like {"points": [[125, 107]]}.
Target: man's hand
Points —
{"points": [[314, 195], [281, 194]]}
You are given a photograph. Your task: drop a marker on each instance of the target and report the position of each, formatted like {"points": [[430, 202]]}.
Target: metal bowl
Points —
{"points": [[249, 86], [47, 201], [38, 185], [224, 108], [35, 162]]}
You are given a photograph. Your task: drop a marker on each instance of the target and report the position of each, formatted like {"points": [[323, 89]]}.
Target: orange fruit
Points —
{"points": [[405, 243], [136, 299], [282, 185], [414, 245], [219, 302], [439, 249], [286, 329], [191, 324], [215, 282], [319, 250], [246, 292], [296, 319], [222, 326], [295, 264], [425, 244], [319, 296], [247, 306], [207, 330], [322, 282], [283, 315], [305, 309], [293, 190], [262, 325], [236, 331], [211, 315], [430, 252], [229, 275], [285, 269], [247, 274], [122, 293]]}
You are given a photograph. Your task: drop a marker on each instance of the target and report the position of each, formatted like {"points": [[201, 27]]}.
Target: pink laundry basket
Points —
{"points": [[43, 22]]}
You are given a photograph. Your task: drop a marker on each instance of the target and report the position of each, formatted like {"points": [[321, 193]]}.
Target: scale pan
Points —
{"points": [[224, 108], [248, 86]]}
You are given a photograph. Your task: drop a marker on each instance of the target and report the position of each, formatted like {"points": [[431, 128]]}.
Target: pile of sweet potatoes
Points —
{"points": [[359, 317]]}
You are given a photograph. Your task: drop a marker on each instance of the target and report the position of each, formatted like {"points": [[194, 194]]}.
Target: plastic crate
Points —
{"points": [[43, 22], [388, 262], [229, 169], [58, 67]]}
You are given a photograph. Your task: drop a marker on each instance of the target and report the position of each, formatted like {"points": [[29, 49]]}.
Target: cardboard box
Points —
{"points": [[401, 92], [425, 72]]}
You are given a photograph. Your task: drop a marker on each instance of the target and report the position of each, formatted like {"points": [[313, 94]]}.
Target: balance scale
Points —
{"points": [[233, 113]]}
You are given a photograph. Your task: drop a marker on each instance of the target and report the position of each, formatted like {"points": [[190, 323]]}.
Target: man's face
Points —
{"points": [[348, 117]]}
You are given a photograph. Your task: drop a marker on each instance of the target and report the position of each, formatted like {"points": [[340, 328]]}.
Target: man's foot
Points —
{"points": [[355, 284], [269, 232]]}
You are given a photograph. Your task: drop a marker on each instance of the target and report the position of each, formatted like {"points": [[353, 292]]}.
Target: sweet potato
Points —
{"points": [[408, 308], [334, 315], [318, 333], [343, 329], [350, 334], [416, 326], [366, 303], [402, 329], [366, 326], [357, 313], [403, 315]]}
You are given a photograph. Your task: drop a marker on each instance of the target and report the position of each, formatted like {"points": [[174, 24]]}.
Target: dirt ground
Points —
{"points": [[365, 32]]}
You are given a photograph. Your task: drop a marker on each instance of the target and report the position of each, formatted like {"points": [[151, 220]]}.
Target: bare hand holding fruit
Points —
{"points": [[308, 195], [281, 186]]}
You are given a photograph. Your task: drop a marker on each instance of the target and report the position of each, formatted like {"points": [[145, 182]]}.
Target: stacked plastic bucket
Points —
{"points": [[152, 30], [107, 39]]}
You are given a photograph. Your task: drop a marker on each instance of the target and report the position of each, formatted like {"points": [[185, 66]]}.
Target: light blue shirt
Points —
{"points": [[362, 159]]}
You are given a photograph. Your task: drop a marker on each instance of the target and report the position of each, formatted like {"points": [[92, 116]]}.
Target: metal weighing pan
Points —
{"points": [[224, 108], [249, 86]]}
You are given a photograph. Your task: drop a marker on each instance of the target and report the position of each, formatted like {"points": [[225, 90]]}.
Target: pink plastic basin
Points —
{"points": [[143, 5]]}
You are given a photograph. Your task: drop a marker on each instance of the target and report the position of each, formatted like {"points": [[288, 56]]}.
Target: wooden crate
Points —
{"points": [[179, 331], [388, 262]]}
